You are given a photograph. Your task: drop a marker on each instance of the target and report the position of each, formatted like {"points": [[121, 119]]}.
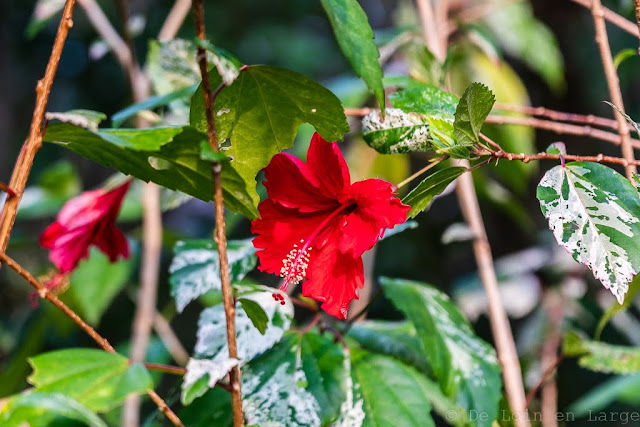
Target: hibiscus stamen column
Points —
{"points": [[220, 231]]}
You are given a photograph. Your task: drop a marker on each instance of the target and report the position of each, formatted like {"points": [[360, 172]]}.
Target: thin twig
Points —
{"points": [[613, 84], [358, 112], [170, 340], [220, 230], [174, 20], [175, 370], [501, 329], [543, 378], [44, 293], [614, 18], [585, 119], [34, 140], [550, 156], [561, 128], [316, 318], [421, 171], [554, 307], [430, 30]]}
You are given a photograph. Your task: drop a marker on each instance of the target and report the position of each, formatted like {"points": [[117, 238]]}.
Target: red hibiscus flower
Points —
{"points": [[316, 225], [89, 219]]}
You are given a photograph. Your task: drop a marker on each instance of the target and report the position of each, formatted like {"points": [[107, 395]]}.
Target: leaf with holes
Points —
{"points": [[420, 197], [355, 37], [602, 357], [95, 378], [168, 156], [195, 268], [211, 361], [474, 107], [261, 111], [594, 213], [466, 367]]}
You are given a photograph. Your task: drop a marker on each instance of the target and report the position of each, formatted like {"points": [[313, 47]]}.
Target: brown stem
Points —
{"points": [[430, 30], [34, 140], [44, 293], [549, 156], [613, 84], [501, 329], [175, 370], [220, 231], [170, 340], [554, 306], [174, 20], [561, 128], [588, 119], [614, 18], [421, 171]]}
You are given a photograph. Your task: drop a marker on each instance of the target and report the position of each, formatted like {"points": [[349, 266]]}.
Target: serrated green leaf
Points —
{"points": [[261, 112], [426, 99], [466, 367], [212, 360], [528, 39], [96, 281], [602, 357], [168, 156], [195, 268], [355, 38], [390, 393], [420, 197], [37, 409], [473, 108], [397, 339], [255, 313], [594, 213], [95, 378]]}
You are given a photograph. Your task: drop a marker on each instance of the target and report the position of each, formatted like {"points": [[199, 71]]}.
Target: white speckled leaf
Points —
{"points": [[594, 213], [195, 268], [398, 132], [212, 351]]}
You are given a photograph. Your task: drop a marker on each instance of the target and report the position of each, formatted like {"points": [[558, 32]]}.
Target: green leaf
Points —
{"points": [[634, 287], [426, 99], [37, 409], [261, 112], [95, 378], [212, 360], [168, 156], [255, 313], [618, 389], [96, 281], [397, 339], [355, 37], [623, 55], [594, 213], [87, 119], [228, 66], [474, 107], [212, 409], [602, 357], [274, 388], [465, 366], [423, 66], [42, 14], [390, 393], [420, 197], [397, 132], [528, 39], [195, 268]]}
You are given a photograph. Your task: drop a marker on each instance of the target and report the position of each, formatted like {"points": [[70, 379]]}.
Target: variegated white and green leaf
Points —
{"points": [[397, 132], [594, 213]]}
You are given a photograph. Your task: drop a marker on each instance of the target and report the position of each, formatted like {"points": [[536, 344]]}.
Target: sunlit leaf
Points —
{"points": [[602, 357], [37, 409], [471, 112], [95, 378], [355, 37], [594, 213]]}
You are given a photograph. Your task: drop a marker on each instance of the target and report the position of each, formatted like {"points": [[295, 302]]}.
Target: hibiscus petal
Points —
{"points": [[112, 242], [328, 164], [377, 208], [290, 182], [278, 229], [334, 279], [69, 249]]}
